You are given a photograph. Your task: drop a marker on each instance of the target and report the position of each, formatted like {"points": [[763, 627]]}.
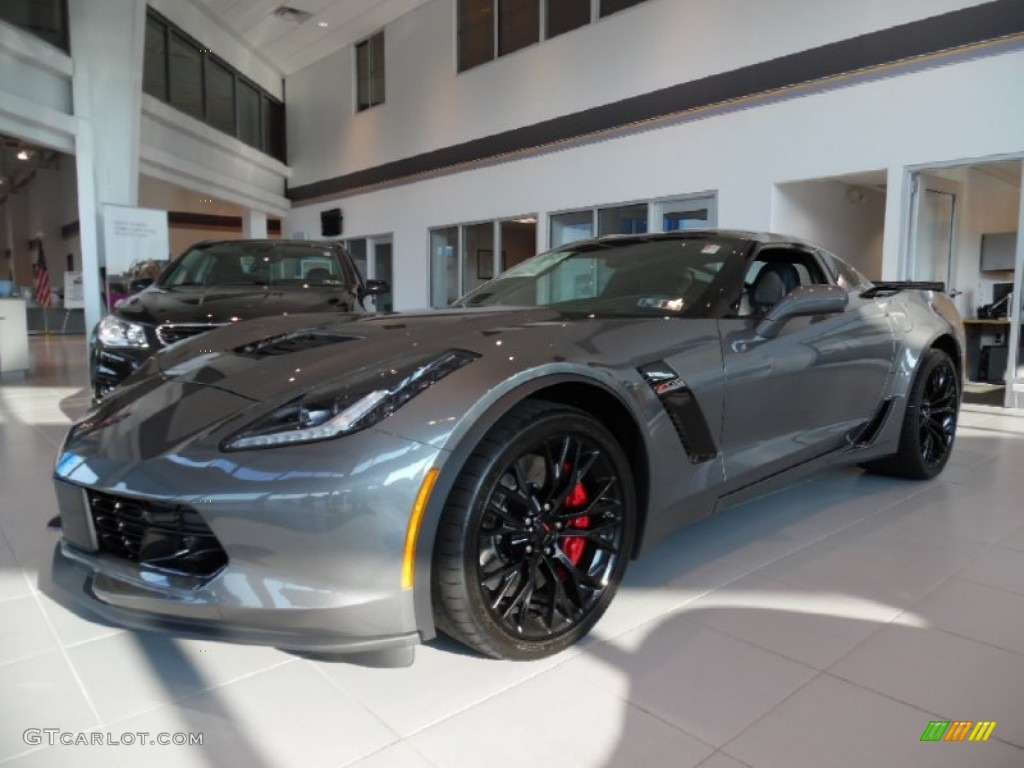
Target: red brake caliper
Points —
{"points": [[573, 546]]}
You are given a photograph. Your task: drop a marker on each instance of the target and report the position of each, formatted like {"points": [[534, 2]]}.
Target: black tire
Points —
{"points": [[510, 579], [929, 423]]}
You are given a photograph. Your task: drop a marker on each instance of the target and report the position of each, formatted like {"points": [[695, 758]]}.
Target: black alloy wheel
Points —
{"points": [[937, 414], [929, 422], [537, 534]]}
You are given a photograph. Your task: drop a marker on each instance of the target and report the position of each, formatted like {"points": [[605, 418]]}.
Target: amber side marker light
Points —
{"points": [[413, 532]]}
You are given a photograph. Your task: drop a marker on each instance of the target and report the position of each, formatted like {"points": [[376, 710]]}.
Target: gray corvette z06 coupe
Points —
{"points": [[352, 484], [218, 282]]}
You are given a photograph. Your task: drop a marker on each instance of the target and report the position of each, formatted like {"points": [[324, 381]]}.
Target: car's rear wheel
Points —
{"points": [[536, 534], [929, 423]]}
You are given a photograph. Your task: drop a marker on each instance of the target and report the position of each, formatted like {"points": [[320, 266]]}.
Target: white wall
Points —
{"points": [[893, 122], [182, 150], [650, 46], [847, 220]]}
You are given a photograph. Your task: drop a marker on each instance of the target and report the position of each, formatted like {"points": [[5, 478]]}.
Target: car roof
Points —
{"points": [[766, 238], [267, 241]]}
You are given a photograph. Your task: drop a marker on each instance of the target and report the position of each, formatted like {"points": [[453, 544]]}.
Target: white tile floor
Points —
{"points": [[825, 625]]}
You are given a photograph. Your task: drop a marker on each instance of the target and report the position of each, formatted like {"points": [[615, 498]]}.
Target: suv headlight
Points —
{"points": [[346, 406], [115, 332]]}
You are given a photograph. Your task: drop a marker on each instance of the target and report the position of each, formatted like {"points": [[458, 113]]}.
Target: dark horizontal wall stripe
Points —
{"points": [[187, 220], [958, 29]]}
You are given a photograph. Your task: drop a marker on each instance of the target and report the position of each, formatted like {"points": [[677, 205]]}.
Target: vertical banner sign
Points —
{"points": [[131, 235], [74, 295]]}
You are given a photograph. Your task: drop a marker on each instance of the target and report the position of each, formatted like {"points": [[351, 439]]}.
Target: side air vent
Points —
{"points": [[869, 433], [682, 409]]}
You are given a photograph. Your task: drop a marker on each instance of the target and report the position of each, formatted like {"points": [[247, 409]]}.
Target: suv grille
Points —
{"points": [[168, 536], [171, 333]]}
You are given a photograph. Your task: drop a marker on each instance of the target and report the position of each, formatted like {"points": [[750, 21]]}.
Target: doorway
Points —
{"points": [[963, 230]]}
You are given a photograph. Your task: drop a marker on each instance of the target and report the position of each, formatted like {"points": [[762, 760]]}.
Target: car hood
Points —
{"points": [[230, 304], [283, 356]]}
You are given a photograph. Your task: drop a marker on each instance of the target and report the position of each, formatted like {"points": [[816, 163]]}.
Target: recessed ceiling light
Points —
{"points": [[322, 24]]}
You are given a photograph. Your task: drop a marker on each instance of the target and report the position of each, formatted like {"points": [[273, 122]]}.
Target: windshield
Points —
{"points": [[685, 277], [258, 263]]}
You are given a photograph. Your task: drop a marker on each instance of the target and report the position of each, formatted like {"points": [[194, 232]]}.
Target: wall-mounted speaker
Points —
{"points": [[331, 222]]}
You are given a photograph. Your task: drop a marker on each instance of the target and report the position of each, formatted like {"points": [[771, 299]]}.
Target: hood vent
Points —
{"points": [[290, 343]]}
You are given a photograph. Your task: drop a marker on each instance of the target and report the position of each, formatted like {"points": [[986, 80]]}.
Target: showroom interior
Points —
{"points": [[443, 142]]}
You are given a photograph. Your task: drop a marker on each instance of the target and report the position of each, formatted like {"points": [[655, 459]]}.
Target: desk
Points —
{"points": [[13, 337], [983, 333]]}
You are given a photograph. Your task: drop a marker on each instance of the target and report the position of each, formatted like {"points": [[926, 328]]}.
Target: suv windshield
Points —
{"points": [[679, 276], [258, 263]]}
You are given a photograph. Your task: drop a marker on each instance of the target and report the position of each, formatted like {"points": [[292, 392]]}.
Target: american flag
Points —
{"points": [[42, 278]]}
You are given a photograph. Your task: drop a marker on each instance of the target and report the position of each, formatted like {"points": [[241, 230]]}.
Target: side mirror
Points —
{"points": [[139, 283], [802, 301], [375, 287]]}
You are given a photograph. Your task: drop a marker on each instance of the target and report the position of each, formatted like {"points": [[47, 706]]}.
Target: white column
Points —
{"points": [[1014, 382], [107, 39], [897, 223], [254, 224]]}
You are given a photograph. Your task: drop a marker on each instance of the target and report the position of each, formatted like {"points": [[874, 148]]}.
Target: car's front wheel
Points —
{"points": [[929, 423], [536, 534]]}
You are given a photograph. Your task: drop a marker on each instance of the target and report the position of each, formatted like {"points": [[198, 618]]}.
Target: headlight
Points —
{"points": [[115, 332], [341, 408]]}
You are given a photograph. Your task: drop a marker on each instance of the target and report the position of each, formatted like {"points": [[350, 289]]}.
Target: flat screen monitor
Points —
{"points": [[1000, 291]]}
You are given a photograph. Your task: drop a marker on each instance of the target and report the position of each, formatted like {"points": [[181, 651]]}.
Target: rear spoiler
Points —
{"points": [[896, 286]]}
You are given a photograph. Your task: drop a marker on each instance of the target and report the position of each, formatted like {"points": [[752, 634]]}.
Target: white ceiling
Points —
{"points": [[290, 46]]}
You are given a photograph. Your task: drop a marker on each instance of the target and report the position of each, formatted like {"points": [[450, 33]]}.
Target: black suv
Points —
{"points": [[214, 283]]}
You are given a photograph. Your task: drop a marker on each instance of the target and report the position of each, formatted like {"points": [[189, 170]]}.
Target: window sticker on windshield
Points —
{"points": [[711, 248]]}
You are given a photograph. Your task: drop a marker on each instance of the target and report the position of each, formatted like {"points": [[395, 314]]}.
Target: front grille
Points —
{"points": [[172, 333], [168, 536]]}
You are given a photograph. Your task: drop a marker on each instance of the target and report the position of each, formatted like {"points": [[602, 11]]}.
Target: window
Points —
{"points": [[570, 227], [697, 212], [383, 269], [476, 32], [249, 114], [273, 129], [622, 220], [46, 19], [220, 96], [186, 70], [566, 15], [370, 72], [609, 7], [491, 28], [154, 66], [465, 257], [177, 69], [518, 24], [444, 266], [690, 212]]}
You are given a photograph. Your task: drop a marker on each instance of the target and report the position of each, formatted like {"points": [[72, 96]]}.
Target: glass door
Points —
{"points": [[932, 234], [382, 268]]}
